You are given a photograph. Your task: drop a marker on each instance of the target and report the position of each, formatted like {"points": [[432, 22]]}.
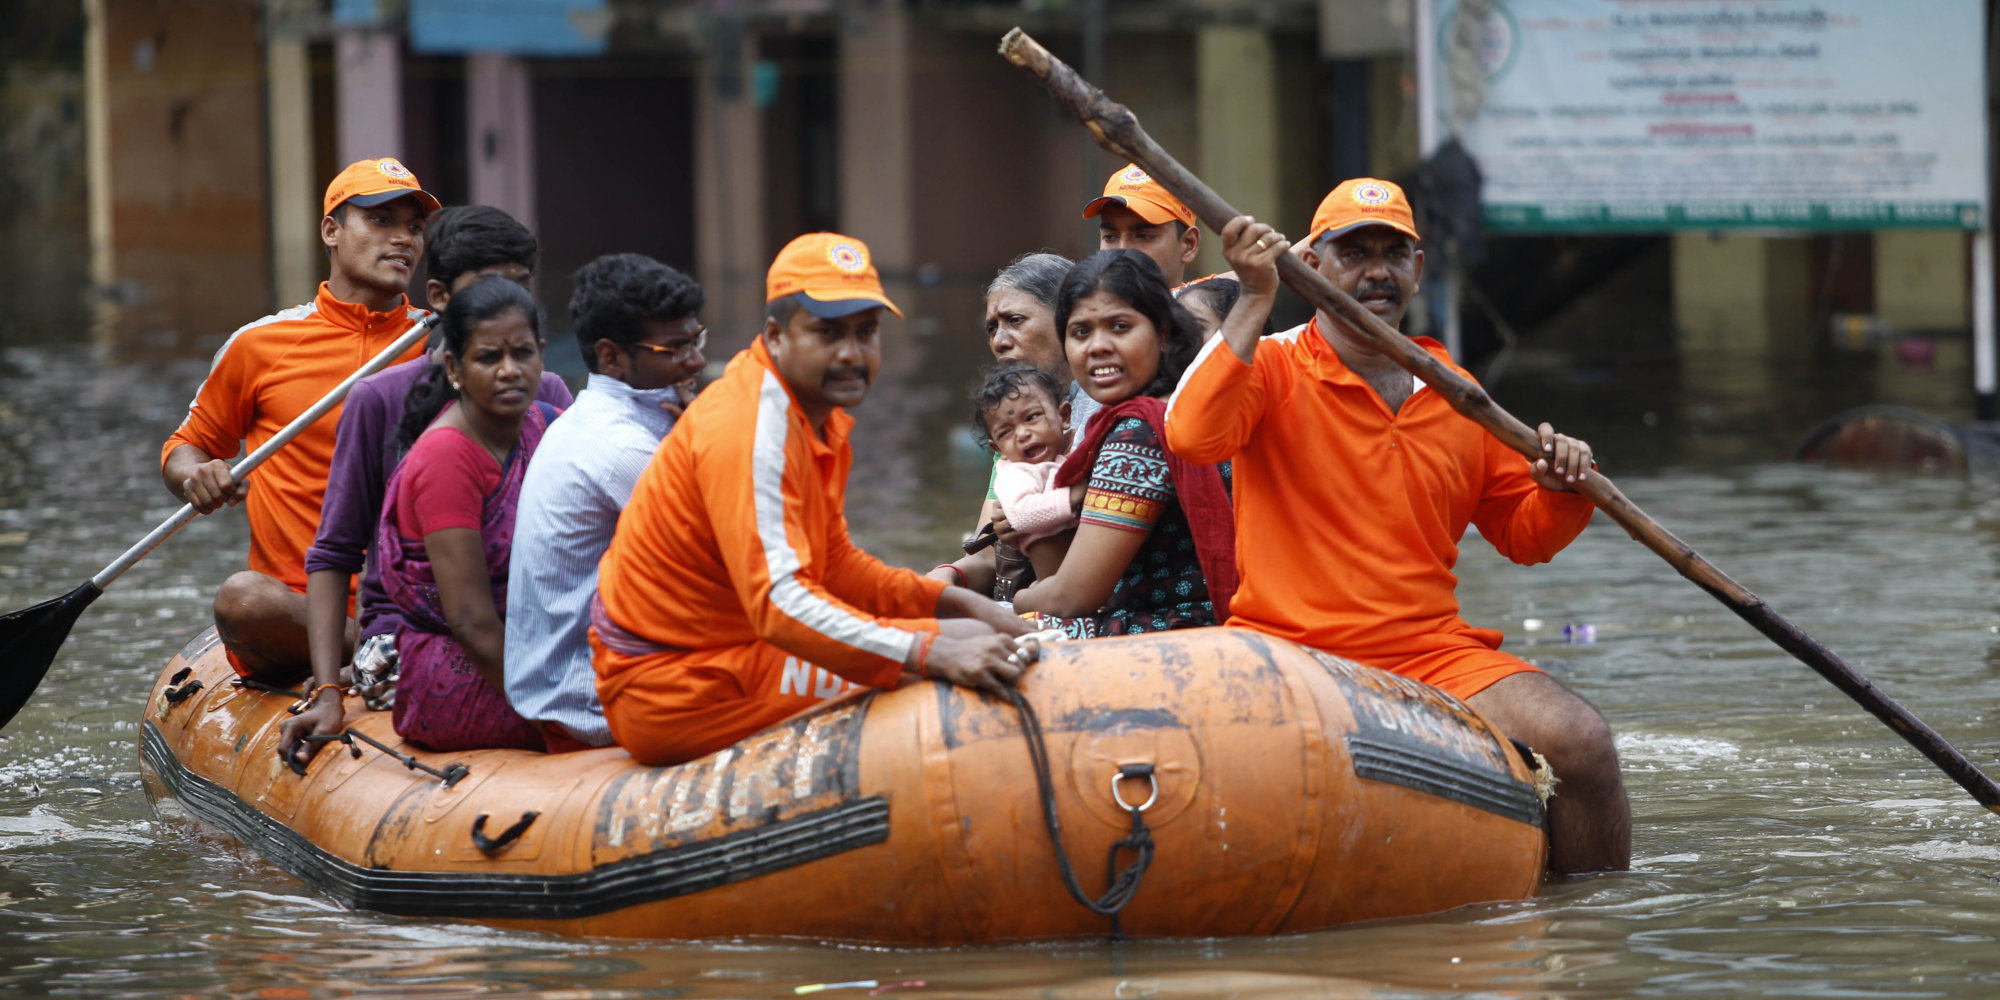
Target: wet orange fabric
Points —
{"points": [[1348, 516], [264, 376], [731, 580]]}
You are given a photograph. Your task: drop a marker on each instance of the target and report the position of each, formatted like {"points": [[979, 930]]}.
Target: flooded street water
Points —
{"points": [[1786, 844]]}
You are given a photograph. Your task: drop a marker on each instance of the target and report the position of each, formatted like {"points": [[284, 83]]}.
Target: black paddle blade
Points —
{"points": [[29, 639]]}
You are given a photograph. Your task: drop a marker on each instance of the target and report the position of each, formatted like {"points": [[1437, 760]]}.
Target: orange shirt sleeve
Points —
{"points": [[765, 535], [1218, 405], [1526, 523], [855, 576], [219, 419]]}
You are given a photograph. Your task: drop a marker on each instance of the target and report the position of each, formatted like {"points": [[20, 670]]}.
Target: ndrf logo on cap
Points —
{"points": [[829, 274], [1133, 188], [847, 257], [1363, 201], [377, 181], [1371, 194]]}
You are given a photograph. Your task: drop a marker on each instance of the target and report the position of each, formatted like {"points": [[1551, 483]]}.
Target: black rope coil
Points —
{"points": [[1122, 884]]}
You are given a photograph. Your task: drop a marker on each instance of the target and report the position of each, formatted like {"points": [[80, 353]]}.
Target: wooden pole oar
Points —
{"points": [[30, 637], [1117, 130]]}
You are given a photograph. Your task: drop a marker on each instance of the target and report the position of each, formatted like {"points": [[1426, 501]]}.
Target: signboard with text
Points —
{"points": [[1646, 115]]}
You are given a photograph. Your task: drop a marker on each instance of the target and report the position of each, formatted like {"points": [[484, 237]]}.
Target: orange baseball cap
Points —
{"points": [[1138, 191], [369, 183], [1363, 201], [830, 274]]}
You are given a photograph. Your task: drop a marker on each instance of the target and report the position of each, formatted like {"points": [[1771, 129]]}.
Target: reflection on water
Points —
{"points": [[1786, 844]]}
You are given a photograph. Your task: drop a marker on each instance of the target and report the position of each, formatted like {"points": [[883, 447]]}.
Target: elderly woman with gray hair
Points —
{"points": [[1020, 329]]}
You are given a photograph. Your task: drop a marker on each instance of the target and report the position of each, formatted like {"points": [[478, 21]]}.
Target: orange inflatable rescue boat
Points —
{"points": [[1276, 790]]}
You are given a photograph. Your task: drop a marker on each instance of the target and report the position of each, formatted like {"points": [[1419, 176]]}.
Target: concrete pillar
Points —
{"points": [[368, 72], [1392, 130], [1920, 278], [730, 256], [1921, 284], [1236, 69], [500, 127], [298, 262], [1742, 307], [179, 212], [97, 150], [1740, 294], [877, 152]]}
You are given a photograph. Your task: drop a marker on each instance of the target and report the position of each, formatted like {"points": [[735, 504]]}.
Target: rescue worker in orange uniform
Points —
{"points": [[276, 368], [1354, 483], [731, 596], [1136, 213]]}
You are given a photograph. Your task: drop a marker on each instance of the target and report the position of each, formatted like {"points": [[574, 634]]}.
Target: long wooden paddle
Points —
{"points": [[30, 637], [1117, 130]]}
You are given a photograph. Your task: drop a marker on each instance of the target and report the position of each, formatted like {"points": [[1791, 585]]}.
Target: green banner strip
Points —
{"points": [[1823, 216]]}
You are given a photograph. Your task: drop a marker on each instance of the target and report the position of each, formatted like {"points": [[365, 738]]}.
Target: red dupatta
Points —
{"points": [[1197, 488]]}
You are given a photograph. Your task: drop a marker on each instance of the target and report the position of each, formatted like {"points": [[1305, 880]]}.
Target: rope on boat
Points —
{"points": [[257, 685], [1122, 884], [451, 775]]}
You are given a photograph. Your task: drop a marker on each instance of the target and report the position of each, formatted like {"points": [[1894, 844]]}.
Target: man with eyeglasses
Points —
{"points": [[637, 326]]}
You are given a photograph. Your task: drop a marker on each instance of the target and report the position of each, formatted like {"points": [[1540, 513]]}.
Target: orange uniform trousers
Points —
{"points": [[679, 707], [1460, 663]]}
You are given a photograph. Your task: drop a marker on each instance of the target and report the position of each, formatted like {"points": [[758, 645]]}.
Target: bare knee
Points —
{"points": [[1589, 819], [248, 597], [262, 623], [1582, 751], [1556, 723]]}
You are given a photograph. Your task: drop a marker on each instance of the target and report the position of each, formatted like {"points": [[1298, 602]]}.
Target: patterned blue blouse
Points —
{"points": [[1131, 490]]}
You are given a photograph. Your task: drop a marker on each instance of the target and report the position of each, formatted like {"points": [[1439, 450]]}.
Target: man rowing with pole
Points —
{"points": [[1353, 485], [272, 370], [731, 596]]}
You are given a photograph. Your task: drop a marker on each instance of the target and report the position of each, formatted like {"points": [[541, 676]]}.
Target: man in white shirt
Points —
{"points": [[636, 323]]}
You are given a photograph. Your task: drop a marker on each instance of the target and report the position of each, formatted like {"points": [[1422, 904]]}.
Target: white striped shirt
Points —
{"points": [[581, 478]]}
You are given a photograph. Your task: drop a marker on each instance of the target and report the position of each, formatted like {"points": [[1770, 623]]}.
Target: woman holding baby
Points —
{"points": [[1154, 543]]}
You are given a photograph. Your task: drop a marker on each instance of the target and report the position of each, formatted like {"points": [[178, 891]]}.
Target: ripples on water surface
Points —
{"points": [[1786, 845]]}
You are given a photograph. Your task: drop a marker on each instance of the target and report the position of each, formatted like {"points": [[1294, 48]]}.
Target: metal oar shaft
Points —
{"points": [[1117, 130], [256, 458]]}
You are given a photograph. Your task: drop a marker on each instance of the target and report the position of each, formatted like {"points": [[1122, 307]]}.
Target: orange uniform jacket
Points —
{"points": [[1348, 516], [264, 376], [736, 535]]}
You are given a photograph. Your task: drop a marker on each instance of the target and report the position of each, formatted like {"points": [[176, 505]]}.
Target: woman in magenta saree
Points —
{"points": [[448, 523]]}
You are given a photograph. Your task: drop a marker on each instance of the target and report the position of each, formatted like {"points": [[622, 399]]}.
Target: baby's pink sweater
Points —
{"points": [[1035, 509]]}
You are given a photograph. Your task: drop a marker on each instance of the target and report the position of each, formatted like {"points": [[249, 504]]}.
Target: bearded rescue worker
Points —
{"points": [[1136, 213], [1354, 483], [276, 368], [731, 596]]}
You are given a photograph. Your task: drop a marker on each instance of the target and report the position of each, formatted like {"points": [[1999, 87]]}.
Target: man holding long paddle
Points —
{"points": [[1117, 130], [272, 370], [1354, 485]]}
